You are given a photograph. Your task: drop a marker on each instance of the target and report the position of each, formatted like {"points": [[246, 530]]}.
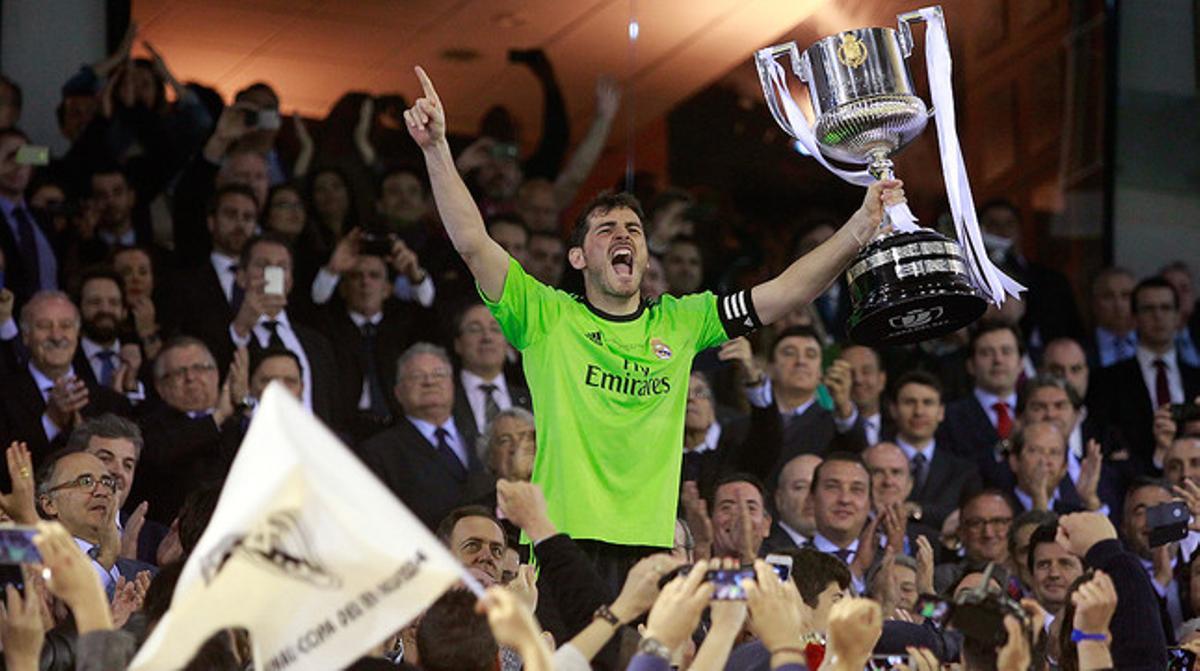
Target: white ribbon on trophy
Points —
{"points": [[992, 281]]}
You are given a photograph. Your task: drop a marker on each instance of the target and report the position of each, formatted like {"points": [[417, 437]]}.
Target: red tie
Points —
{"points": [[1162, 390], [1003, 420]]}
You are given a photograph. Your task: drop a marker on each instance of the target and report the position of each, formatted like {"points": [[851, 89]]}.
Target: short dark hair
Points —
{"points": [[178, 342], [986, 326], [838, 455], [1045, 533], [45, 472], [109, 426], [460, 314], [728, 478], [969, 496], [268, 237], [1142, 482], [453, 637], [921, 377], [258, 355], [813, 570], [1107, 272], [1045, 380], [603, 202], [1156, 282], [108, 168], [445, 528], [233, 188], [256, 87], [1034, 517], [798, 331], [101, 273]]}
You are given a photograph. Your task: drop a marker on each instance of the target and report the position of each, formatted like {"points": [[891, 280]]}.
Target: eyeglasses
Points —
{"points": [[87, 481], [435, 376], [196, 369], [978, 523]]}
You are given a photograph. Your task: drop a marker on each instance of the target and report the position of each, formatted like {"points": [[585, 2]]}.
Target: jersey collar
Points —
{"points": [[611, 317]]}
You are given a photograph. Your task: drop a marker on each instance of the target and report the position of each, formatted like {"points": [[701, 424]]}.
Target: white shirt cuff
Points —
{"points": [[238, 340], [324, 285], [423, 294], [760, 396], [9, 330], [844, 425], [50, 428]]}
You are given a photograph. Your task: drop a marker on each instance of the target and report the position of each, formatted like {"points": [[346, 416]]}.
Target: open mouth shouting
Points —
{"points": [[621, 258]]}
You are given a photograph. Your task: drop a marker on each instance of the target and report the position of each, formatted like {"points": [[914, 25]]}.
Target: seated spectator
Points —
{"points": [[869, 381], [841, 502], [49, 397], [1183, 460], [75, 489], [938, 476], [984, 519], [975, 424], [109, 362], [547, 257], [32, 263], [1113, 338], [739, 517], [275, 364], [426, 458], [891, 487], [684, 266], [1038, 457], [475, 537], [1052, 568], [1179, 275], [794, 524], [142, 300], [483, 389], [192, 436]]}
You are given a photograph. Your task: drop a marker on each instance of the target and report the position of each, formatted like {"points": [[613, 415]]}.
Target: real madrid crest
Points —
{"points": [[852, 53]]}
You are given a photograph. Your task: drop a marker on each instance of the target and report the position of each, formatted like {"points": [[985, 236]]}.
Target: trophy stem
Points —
{"points": [[881, 167]]}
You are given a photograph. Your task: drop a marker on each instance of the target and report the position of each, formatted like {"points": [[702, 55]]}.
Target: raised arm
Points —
{"points": [[809, 275], [426, 121]]}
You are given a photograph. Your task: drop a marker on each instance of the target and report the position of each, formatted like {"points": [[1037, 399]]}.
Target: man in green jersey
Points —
{"points": [[608, 372]]}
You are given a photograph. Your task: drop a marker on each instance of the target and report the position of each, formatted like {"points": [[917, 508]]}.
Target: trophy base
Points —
{"points": [[909, 287]]}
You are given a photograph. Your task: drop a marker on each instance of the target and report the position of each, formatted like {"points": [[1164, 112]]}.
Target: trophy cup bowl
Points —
{"points": [[905, 287]]}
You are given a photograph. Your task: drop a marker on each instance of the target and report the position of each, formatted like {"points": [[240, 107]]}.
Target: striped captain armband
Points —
{"points": [[737, 313]]}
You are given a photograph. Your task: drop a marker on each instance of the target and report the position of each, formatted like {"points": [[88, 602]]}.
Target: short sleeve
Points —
{"points": [[527, 309], [700, 313]]}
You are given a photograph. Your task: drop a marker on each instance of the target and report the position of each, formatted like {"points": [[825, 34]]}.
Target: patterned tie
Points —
{"points": [[919, 471], [28, 245], [448, 456], [1003, 419], [274, 341], [371, 371], [490, 407], [107, 367], [1162, 389], [238, 294]]}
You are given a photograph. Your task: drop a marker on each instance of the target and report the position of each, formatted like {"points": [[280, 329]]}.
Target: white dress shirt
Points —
{"points": [[430, 432], [1146, 359], [108, 578], [221, 264], [290, 341], [712, 438], [325, 283], [477, 398], [911, 451], [872, 425], [364, 397], [44, 385]]}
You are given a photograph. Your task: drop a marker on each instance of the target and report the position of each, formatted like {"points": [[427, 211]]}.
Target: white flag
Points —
{"points": [[306, 549]]}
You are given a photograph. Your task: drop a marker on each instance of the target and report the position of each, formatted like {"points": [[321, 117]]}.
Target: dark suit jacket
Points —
{"points": [[778, 540], [410, 466], [22, 407], [18, 275], [181, 455], [969, 433], [949, 476], [199, 308], [463, 416], [1118, 393], [1146, 648], [747, 445], [1066, 502], [815, 432]]}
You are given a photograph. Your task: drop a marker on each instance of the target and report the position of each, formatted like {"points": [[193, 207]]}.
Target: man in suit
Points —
{"points": [[794, 373], [938, 476], [738, 501], [712, 448], [483, 389], [892, 486], [476, 538], [794, 524], [28, 248], [1187, 339], [976, 423], [117, 442], [1129, 392], [1038, 459], [1113, 338], [841, 502], [102, 355], [122, 220], [869, 381], [263, 321], [76, 489], [207, 291], [1165, 564], [368, 330], [427, 458], [984, 518], [194, 432], [1183, 460], [48, 398]]}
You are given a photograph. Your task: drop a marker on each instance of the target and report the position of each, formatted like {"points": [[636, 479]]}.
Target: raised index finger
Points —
{"points": [[427, 85]]}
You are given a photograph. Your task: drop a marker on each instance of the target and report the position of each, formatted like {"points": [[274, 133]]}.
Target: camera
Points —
{"points": [[265, 119], [979, 613], [1168, 522], [377, 244], [1182, 413]]}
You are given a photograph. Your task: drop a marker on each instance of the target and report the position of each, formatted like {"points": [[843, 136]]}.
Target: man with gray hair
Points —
{"points": [[426, 458], [509, 443], [47, 399]]}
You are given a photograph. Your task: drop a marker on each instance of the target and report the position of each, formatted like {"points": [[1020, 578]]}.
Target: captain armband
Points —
{"points": [[737, 313]]}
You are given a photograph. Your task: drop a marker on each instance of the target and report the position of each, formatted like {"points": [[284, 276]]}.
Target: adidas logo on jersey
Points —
{"points": [[596, 337]]}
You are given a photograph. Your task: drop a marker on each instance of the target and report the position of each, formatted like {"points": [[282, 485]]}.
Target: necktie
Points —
{"points": [[107, 367], [28, 245], [490, 407], [919, 471], [843, 554], [274, 341], [1162, 390], [448, 456], [1003, 420], [238, 294], [371, 372]]}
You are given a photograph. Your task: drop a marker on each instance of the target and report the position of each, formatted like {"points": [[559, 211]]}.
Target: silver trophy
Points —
{"points": [[911, 284]]}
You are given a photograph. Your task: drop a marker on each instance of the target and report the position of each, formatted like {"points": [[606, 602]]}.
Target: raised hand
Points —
{"points": [[19, 503], [608, 98], [1089, 476], [838, 378], [406, 262], [775, 613], [855, 625], [641, 586], [695, 510], [867, 547], [1078, 532], [924, 565], [1095, 602], [426, 120], [513, 625], [524, 586], [677, 610], [133, 530], [362, 131], [525, 504], [867, 219], [740, 352], [21, 630]]}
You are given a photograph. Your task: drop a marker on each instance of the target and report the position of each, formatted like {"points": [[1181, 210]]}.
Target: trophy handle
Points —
{"points": [[904, 24], [765, 60]]}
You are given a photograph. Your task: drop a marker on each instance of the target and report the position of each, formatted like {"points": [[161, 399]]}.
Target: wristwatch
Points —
{"points": [[248, 403], [654, 647], [604, 613]]}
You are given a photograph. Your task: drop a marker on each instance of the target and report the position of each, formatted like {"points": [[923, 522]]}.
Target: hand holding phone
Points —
{"points": [[273, 278]]}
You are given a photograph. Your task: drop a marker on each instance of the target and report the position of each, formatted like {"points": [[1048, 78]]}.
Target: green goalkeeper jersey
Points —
{"points": [[609, 394]]}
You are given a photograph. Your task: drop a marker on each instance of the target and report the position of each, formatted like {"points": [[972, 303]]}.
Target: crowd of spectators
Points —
{"points": [[184, 253]]}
